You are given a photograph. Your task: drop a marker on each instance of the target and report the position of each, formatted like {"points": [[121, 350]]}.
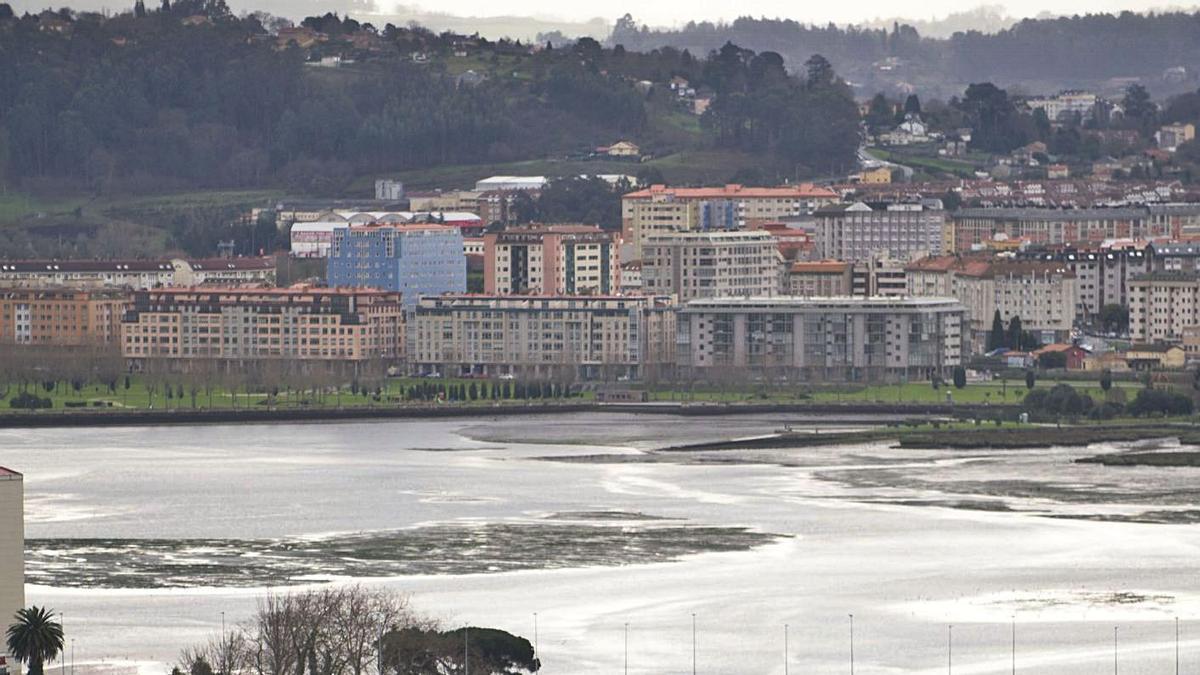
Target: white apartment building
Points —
{"points": [[690, 265], [852, 339], [575, 337], [861, 231]]}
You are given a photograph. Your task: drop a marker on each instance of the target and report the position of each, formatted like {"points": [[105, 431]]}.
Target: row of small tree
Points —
{"points": [[486, 390]]}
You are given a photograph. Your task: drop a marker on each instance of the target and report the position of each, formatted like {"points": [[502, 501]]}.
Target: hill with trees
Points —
{"points": [[187, 97], [1038, 54]]}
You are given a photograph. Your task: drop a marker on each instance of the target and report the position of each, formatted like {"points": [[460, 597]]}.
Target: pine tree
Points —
{"points": [[1014, 332], [997, 338]]}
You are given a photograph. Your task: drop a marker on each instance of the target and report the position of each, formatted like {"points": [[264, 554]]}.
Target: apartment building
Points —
{"points": [[659, 209], [975, 227], [1164, 307], [878, 277], [1102, 274], [413, 260], [690, 265], [12, 550], [1042, 294], [821, 278], [850, 339], [139, 274], [861, 231], [571, 337], [60, 317], [551, 260], [236, 326]]}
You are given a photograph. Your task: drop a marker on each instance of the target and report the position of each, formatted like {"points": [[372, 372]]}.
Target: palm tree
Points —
{"points": [[35, 637]]}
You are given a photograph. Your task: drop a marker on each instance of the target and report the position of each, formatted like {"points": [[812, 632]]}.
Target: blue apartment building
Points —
{"points": [[415, 260]]}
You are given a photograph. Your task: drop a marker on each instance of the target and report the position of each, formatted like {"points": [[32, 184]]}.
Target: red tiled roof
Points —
{"points": [[820, 266]]}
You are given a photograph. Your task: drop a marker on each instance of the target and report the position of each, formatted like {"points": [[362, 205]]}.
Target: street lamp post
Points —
{"points": [[626, 648], [1114, 650], [1014, 644], [949, 649], [851, 644], [693, 643], [785, 649]]}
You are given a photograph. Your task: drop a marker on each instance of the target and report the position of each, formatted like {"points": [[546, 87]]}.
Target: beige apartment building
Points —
{"points": [[844, 339], [1042, 294], [60, 317], [551, 260], [12, 549], [1164, 306], [239, 326], [576, 337], [689, 265], [821, 278], [660, 209]]}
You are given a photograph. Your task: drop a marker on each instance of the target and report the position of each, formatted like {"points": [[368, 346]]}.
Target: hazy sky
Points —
{"points": [[670, 12]]}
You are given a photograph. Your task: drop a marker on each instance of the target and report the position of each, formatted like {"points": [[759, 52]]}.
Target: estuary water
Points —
{"points": [[143, 537]]}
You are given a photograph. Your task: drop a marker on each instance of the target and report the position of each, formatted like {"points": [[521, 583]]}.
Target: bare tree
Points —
{"points": [[328, 631]]}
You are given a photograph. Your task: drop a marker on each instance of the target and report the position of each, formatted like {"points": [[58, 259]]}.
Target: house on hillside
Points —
{"points": [[623, 149]]}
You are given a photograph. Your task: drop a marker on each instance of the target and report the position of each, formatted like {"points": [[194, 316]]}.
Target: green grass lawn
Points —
{"points": [[21, 208], [25, 210], [939, 164], [144, 395], [997, 393]]}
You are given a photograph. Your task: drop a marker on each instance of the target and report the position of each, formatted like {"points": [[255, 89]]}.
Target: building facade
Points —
{"points": [[1042, 294], [689, 265], [861, 231], [60, 317], [821, 278], [136, 274], [1101, 274], [575, 338], [843, 339], [551, 260], [1163, 306], [659, 209], [12, 550], [413, 260], [237, 326], [976, 226]]}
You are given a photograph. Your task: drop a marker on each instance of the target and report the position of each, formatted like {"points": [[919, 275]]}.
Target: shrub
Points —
{"points": [[1160, 402], [28, 401]]}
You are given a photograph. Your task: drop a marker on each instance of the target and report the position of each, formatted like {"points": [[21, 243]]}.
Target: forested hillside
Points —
{"points": [[188, 96], [1039, 54]]}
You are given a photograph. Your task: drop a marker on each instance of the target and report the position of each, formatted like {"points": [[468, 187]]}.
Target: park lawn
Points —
{"points": [[139, 397]]}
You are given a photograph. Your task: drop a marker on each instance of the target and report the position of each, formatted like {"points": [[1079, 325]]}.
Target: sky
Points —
{"points": [[675, 12]]}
